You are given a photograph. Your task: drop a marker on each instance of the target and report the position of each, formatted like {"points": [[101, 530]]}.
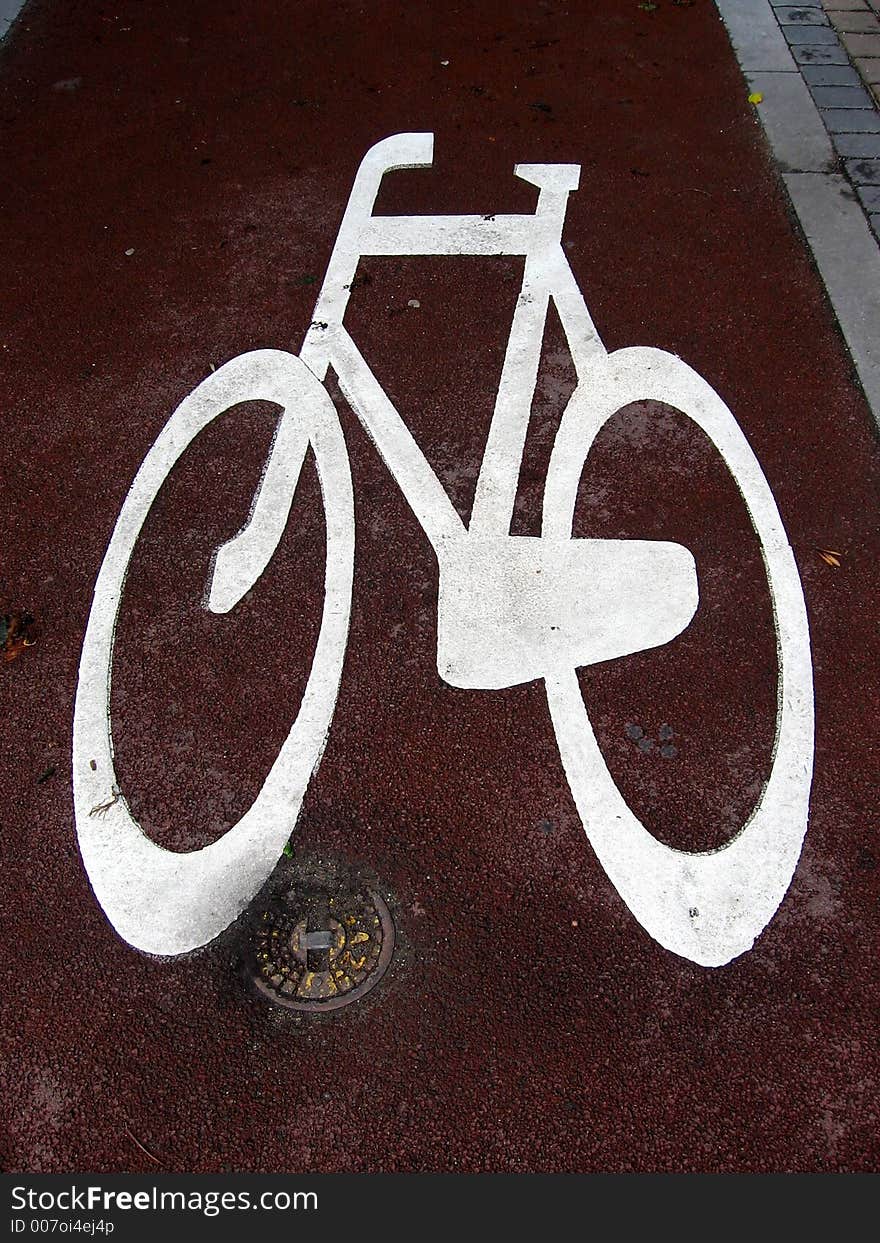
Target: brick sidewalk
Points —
{"points": [[858, 26], [836, 45]]}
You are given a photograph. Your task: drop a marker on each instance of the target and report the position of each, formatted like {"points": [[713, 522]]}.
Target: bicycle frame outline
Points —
{"points": [[537, 237], [668, 891]]}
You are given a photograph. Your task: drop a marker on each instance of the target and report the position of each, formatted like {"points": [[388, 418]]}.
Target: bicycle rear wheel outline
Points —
{"points": [[160, 901], [708, 907]]}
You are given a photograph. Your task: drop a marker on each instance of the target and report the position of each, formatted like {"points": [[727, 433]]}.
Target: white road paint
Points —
{"points": [[161, 901], [708, 907], [510, 608], [514, 608]]}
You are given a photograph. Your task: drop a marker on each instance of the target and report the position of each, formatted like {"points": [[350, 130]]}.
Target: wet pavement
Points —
{"points": [[174, 182]]}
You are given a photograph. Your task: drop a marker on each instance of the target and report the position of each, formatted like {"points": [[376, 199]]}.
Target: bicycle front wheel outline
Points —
{"points": [[708, 907], [160, 901]]}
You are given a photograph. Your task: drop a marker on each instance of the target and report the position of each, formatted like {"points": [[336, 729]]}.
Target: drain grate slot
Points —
{"points": [[322, 946]]}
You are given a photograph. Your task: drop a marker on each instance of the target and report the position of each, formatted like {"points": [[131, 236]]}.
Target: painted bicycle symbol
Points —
{"points": [[511, 608]]}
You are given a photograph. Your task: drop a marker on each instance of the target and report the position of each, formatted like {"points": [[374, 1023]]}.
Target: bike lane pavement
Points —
{"points": [[174, 185]]}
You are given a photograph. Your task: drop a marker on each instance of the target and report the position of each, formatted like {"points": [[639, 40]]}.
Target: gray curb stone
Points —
{"points": [[799, 139], [804, 112], [9, 10], [848, 258]]}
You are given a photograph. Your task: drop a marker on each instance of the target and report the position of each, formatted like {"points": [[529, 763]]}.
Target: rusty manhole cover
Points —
{"points": [[322, 944]]}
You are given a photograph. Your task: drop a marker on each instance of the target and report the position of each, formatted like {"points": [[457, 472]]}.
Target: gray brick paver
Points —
{"points": [[797, 15], [856, 44], [863, 172], [870, 197], [869, 68], [841, 97], [858, 146], [828, 54], [851, 120], [855, 23], [811, 34], [830, 75]]}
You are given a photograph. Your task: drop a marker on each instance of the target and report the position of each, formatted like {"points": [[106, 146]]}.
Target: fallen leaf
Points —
{"points": [[15, 635], [829, 558], [756, 98]]}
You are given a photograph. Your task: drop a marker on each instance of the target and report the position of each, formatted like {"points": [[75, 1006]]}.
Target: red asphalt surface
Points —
{"points": [[527, 1022]]}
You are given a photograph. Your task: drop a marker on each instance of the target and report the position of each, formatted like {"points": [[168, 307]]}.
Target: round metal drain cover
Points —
{"points": [[322, 946]]}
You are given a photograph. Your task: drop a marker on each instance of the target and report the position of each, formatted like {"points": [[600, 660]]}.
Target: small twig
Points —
{"points": [[144, 1150], [101, 809]]}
